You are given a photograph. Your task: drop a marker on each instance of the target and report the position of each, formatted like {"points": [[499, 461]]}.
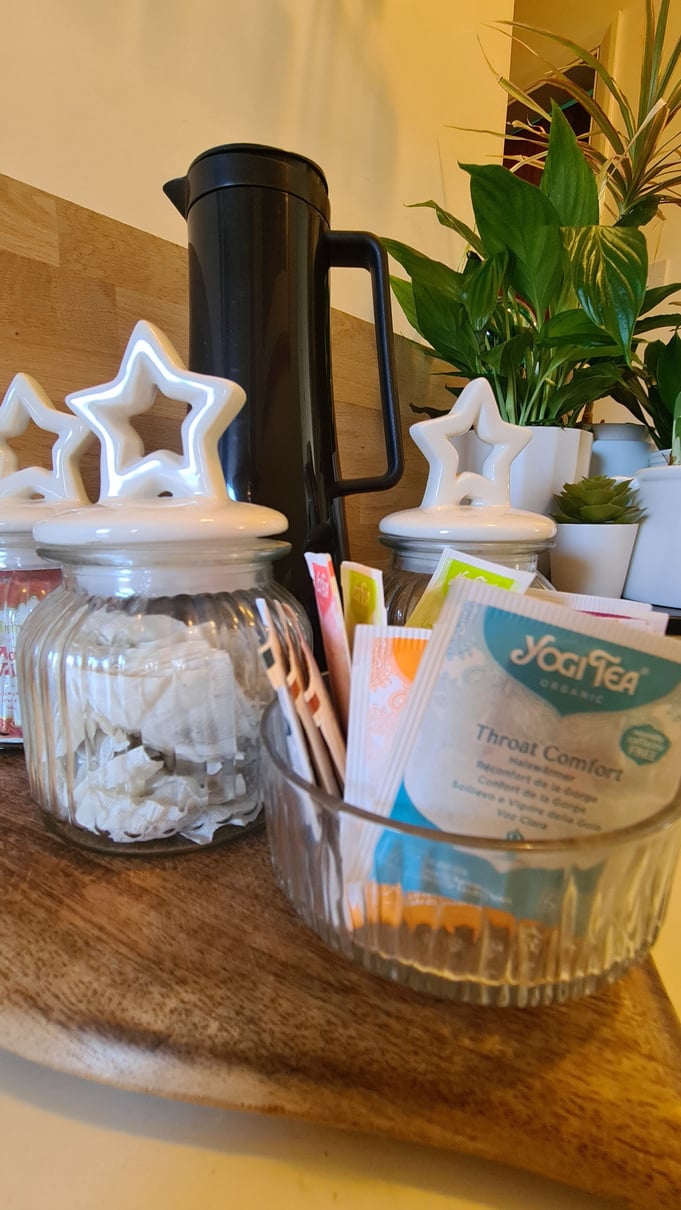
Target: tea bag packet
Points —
{"points": [[454, 563], [363, 597], [525, 721], [28, 495], [384, 663], [156, 700], [633, 613], [334, 636], [298, 680]]}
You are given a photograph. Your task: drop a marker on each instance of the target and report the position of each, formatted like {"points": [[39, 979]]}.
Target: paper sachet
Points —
{"points": [[633, 613], [454, 564], [525, 721], [384, 664], [363, 597]]}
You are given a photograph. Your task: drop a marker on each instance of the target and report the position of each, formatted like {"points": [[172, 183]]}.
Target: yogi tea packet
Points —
{"points": [[525, 721]]}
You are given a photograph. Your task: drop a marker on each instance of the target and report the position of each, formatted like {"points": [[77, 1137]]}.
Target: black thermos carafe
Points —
{"points": [[260, 250]]}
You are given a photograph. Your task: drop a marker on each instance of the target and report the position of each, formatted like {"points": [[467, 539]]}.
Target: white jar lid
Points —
{"points": [[160, 496], [32, 493], [469, 523], [462, 506], [125, 522]]}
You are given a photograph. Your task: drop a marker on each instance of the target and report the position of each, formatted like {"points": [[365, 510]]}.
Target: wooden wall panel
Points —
{"points": [[72, 286]]}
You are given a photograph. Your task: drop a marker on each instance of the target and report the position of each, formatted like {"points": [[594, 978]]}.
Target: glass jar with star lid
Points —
{"points": [[29, 494], [141, 681], [463, 513]]}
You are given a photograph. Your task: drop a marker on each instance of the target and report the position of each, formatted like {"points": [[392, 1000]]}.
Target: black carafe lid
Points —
{"points": [[250, 164]]}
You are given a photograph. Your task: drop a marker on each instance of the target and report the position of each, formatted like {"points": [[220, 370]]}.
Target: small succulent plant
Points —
{"points": [[598, 500]]}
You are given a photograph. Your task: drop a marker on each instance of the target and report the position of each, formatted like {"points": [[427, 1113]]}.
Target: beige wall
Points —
{"points": [[104, 101]]}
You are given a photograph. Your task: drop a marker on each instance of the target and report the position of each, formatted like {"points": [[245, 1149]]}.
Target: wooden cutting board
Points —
{"points": [[191, 977]]}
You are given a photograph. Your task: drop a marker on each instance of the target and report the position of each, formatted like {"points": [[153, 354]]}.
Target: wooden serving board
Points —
{"points": [[191, 977]]}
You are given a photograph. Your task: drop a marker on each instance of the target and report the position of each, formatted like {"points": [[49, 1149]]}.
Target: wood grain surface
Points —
{"points": [[191, 977], [74, 283]]}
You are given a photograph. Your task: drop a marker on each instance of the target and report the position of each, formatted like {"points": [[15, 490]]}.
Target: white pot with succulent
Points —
{"points": [[597, 522]]}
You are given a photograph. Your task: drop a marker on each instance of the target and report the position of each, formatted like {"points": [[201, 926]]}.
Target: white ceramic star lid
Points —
{"points": [[461, 505], [29, 494], [161, 496]]}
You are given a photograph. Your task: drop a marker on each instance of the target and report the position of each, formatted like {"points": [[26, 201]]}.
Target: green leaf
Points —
{"points": [[515, 217], [581, 53], [567, 179], [641, 212], [651, 356], [455, 224], [669, 372], [573, 327], [609, 269], [670, 319], [404, 293], [481, 288], [433, 271], [594, 514], [657, 295], [586, 386], [445, 325], [509, 354]]}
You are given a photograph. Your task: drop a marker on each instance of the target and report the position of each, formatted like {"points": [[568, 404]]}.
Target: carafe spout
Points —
{"points": [[176, 190]]}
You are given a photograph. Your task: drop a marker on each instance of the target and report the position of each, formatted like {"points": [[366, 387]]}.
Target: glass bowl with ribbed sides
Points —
{"points": [[524, 923], [141, 690]]}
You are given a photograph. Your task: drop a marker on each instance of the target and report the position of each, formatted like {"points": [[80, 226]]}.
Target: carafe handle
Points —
{"points": [[360, 250]]}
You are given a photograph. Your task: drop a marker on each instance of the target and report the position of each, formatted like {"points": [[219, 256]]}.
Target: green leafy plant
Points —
{"points": [[598, 500], [634, 150], [652, 393], [637, 158], [546, 303]]}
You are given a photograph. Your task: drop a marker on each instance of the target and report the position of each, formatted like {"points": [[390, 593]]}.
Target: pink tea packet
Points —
{"points": [[334, 636]]}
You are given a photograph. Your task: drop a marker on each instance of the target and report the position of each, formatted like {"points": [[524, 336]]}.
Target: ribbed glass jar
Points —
{"points": [[25, 579], [142, 690], [414, 560]]}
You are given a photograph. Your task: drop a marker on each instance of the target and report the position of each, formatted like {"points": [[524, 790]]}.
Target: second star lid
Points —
{"points": [[464, 506]]}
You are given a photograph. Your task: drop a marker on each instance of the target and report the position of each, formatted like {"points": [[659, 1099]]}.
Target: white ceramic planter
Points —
{"points": [[553, 456], [655, 568], [619, 449], [592, 559]]}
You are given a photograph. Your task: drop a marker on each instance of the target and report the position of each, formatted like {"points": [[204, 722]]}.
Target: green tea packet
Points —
{"points": [[452, 565]]}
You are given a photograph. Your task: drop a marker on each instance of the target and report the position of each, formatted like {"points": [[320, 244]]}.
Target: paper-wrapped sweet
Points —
{"points": [[156, 735]]}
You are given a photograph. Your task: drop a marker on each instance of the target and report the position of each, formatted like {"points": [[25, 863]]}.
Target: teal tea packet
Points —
{"points": [[525, 721]]}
